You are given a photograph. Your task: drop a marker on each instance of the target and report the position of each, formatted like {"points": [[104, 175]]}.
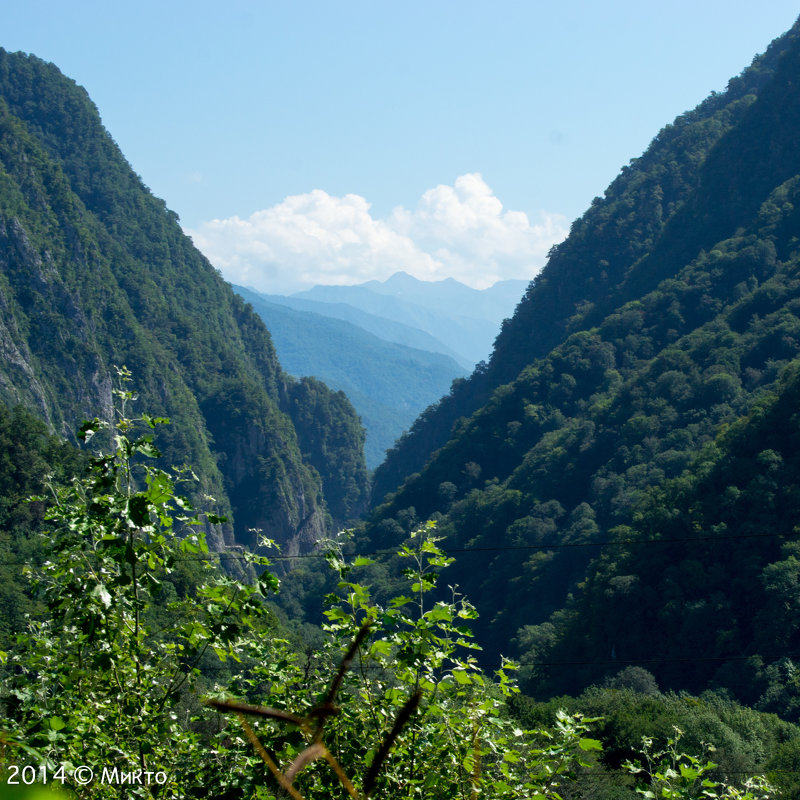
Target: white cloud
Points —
{"points": [[459, 231]]}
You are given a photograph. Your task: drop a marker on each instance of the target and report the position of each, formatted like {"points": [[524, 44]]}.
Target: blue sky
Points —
{"points": [[306, 142]]}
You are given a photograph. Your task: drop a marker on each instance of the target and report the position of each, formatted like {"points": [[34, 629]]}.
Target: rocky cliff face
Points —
{"points": [[96, 272]]}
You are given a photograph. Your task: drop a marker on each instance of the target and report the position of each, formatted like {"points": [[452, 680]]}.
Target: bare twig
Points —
{"points": [[265, 757], [402, 718], [257, 711], [345, 663], [340, 774], [319, 714], [311, 753]]}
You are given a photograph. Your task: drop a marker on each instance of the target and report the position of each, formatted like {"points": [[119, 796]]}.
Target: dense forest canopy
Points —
{"points": [[389, 700], [667, 319]]}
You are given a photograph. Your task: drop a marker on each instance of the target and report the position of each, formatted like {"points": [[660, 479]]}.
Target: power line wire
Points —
{"points": [[598, 663], [225, 556]]}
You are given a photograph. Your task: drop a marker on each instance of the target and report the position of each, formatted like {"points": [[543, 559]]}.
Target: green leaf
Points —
{"points": [[57, 724], [139, 510], [153, 421], [160, 489], [590, 744], [222, 655], [689, 773], [89, 429], [462, 677], [382, 647], [147, 448], [440, 614], [268, 583]]}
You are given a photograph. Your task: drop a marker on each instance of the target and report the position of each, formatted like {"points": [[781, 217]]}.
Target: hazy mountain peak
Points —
{"points": [[466, 320]]}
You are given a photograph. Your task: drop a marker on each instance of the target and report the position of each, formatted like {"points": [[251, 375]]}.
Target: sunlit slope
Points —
{"points": [[669, 312], [694, 186]]}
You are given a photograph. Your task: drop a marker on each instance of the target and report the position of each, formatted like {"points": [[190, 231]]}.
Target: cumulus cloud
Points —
{"points": [[459, 231]]}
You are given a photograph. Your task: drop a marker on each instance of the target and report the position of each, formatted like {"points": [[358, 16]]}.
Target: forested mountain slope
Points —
{"points": [[96, 272], [28, 454], [702, 586], [669, 313], [661, 210]]}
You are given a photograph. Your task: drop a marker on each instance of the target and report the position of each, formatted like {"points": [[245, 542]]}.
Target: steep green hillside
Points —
{"points": [[28, 453], [702, 586], [654, 326], [95, 271], [388, 384], [696, 183]]}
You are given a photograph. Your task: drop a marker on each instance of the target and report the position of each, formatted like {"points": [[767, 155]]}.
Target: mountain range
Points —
{"points": [[388, 383], [384, 328], [376, 341], [465, 320], [618, 481]]}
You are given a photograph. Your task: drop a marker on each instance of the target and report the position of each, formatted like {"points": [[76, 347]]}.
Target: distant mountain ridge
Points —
{"points": [[465, 320], [389, 384], [387, 329], [494, 303], [443, 317]]}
